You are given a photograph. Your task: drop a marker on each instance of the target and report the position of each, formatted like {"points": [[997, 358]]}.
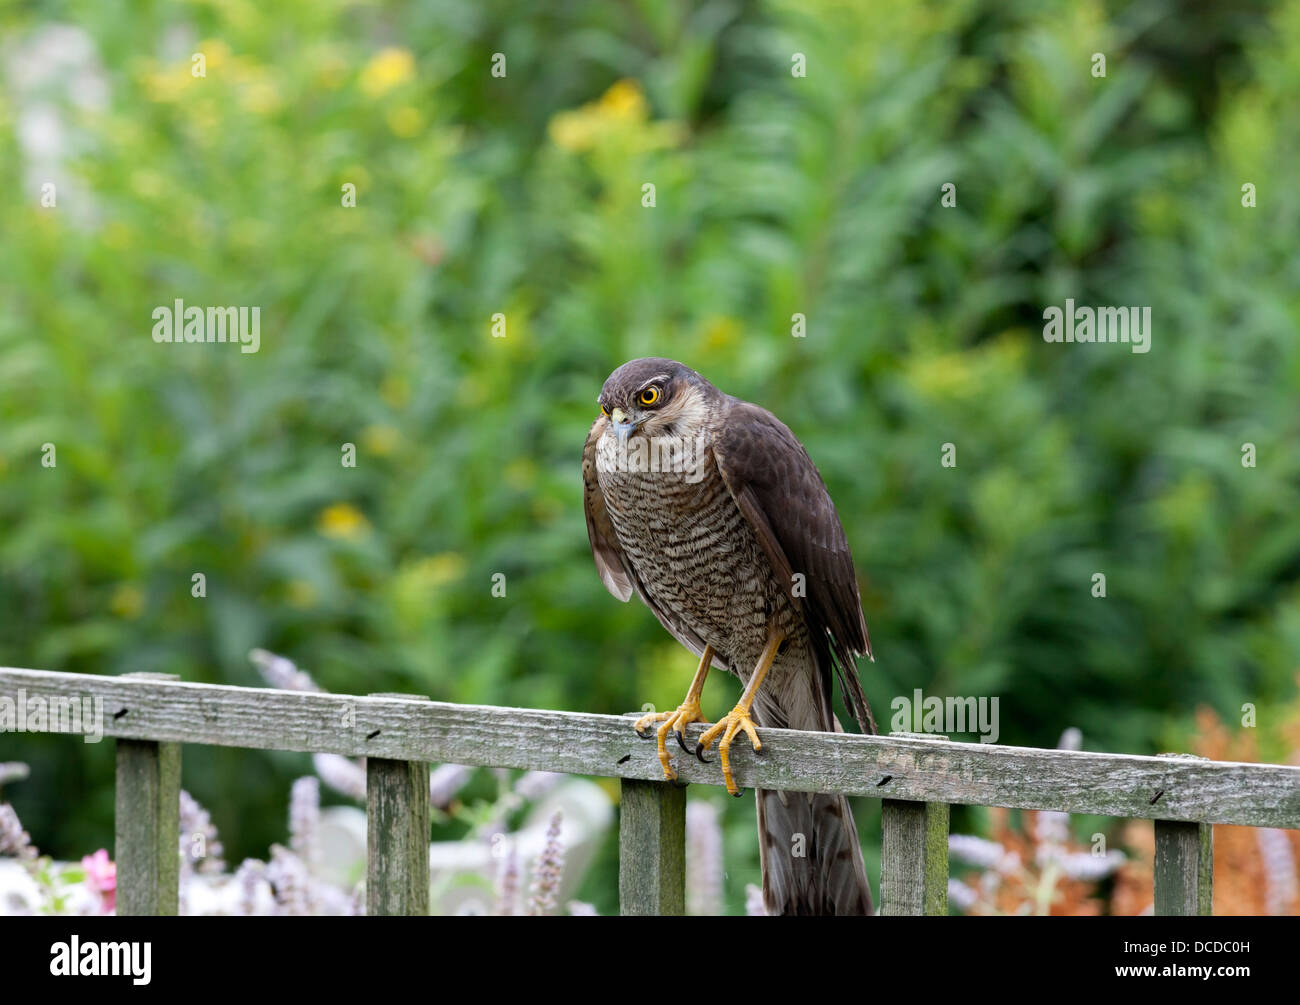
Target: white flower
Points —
{"points": [[976, 851], [304, 818], [961, 895], [342, 774], [1280, 883], [1083, 865], [281, 672], [445, 781], [703, 859]]}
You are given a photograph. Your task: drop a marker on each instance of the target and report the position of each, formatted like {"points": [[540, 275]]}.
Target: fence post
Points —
{"points": [[1184, 865], [914, 853], [397, 833], [146, 826], [652, 848]]}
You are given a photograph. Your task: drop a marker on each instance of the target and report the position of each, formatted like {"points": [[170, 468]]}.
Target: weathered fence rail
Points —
{"points": [[917, 778]]}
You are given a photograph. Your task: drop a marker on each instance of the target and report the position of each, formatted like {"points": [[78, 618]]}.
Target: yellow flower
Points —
{"points": [[439, 570], [990, 365], [621, 110], [261, 96], [574, 131], [215, 54], [342, 521], [167, 84], [381, 440], [624, 100], [127, 601], [942, 375], [405, 121], [389, 68]]}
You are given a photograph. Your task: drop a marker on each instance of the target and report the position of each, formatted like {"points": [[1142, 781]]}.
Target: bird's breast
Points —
{"points": [[691, 547]]}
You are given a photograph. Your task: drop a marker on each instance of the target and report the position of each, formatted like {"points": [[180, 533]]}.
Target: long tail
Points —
{"points": [[808, 843]]}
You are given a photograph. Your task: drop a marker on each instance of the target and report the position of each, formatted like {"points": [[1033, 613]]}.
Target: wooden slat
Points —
{"points": [[397, 834], [147, 824], [652, 849], [914, 852], [1184, 863], [397, 837], [938, 771], [1184, 868], [913, 858]]}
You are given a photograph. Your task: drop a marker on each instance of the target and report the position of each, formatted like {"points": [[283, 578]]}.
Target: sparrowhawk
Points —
{"points": [[710, 510]]}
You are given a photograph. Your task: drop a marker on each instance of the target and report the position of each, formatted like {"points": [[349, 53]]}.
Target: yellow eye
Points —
{"points": [[650, 395]]}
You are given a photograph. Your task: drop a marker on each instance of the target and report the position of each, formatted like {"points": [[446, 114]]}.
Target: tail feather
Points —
{"points": [[808, 842], [812, 863]]}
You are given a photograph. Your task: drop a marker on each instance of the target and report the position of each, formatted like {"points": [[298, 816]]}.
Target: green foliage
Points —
{"points": [[522, 195]]}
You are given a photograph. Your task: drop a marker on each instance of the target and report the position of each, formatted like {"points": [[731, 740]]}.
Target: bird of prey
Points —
{"points": [[709, 510]]}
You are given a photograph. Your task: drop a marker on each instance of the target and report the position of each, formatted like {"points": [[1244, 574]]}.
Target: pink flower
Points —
{"points": [[101, 877]]}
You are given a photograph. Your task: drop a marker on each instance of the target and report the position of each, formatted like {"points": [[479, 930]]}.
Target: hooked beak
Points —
{"points": [[622, 424]]}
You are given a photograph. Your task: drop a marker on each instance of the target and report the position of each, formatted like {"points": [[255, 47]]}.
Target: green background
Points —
{"points": [[775, 195]]}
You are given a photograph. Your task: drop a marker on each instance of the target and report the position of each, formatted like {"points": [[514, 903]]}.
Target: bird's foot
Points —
{"points": [[728, 727], [672, 722]]}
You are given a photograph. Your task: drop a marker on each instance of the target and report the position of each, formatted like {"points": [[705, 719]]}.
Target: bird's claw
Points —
{"points": [[728, 727], [674, 722]]}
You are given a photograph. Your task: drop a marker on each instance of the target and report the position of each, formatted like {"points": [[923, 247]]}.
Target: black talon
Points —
{"points": [[679, 784], [644, 736], [681, 740], [739, 794], [699, 752]]}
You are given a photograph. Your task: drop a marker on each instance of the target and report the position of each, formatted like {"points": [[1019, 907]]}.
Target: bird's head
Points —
{"points": [[655, 397]]}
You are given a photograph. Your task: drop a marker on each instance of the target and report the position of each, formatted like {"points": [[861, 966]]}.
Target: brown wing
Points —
{"points": [[616, 572], [779, 490]]}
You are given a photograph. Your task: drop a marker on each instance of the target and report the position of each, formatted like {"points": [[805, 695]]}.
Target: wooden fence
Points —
{"points": [[917, 777]]}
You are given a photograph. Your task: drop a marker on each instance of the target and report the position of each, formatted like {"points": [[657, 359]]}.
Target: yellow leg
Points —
{"points": [[739, 718], [687, 712]]}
